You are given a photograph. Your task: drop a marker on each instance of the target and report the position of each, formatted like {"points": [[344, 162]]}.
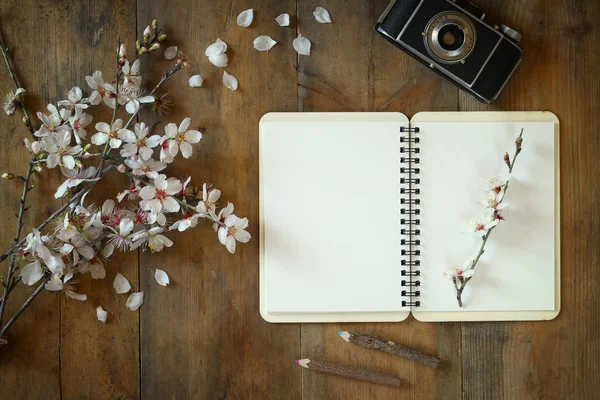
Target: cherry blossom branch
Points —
{"points": [[166, 76], [17, 84], [510, 164]]}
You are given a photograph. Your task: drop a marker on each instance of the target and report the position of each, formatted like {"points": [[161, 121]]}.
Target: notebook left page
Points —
{"points": [[330, 217]]}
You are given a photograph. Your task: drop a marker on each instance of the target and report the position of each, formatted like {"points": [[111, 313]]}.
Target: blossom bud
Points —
{"points": [[519, 143], [121, 168], [507, 159], [162, 37], [38, 168], [138, 45], [78, 163], [155, 46], [154, 23], [147, 33], [8, 176], [122, 50], [86, 148], [26, 122], [142, 50]]}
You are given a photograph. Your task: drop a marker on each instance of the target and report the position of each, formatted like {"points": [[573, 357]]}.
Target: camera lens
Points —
{"points": [[450, 37]]}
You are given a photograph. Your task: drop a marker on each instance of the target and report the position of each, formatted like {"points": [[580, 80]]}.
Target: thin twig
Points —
{"points": [[24, 306], [22, 209], [16, 82]]}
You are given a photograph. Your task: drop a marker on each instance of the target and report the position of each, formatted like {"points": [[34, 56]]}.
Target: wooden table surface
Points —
{"points": [[203, 337]]}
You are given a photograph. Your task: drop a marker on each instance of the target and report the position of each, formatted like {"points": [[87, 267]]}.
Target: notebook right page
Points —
{"points": [[517, 272]]}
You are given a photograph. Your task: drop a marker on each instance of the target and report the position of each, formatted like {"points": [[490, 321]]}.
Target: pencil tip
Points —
{"points": [[340, 333], [297, 361]]}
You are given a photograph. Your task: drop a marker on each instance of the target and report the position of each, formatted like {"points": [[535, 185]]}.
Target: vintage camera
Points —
{"points": [[451, 37]]}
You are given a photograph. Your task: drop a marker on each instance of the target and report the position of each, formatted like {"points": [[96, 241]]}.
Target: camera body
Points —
{"points": [[451, 37]]}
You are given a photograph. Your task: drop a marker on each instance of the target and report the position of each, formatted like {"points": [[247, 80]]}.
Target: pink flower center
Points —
{"points": [[161, 195], [141, 142], [479, 227], [113, 134]]}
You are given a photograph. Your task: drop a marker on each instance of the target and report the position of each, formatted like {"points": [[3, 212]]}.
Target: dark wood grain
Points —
{"points": [[202, 337]]}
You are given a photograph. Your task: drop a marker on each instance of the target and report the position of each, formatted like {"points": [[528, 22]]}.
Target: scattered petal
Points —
{"points": [[283, 19], [121, 284], [245, 18], [302, 45], [171, 52], [135, 300], [101, 314], [219, 60], [322, 15], [196, 81], [161, 277], [264, 43], [230, 81], [216, 48]]}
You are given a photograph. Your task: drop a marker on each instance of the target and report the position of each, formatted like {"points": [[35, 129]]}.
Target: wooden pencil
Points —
{"points": [[390, 347], [350, 372]]}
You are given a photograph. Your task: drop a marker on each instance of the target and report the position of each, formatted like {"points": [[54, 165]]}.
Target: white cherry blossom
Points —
{"points": [[120, 239], [481, 225], [234, 230], [114, 134], [11, 100], [61, 152], [131, 75], [223, 214], [159, 197], [95, 265], [103, 91], [139, 142], [149, 167], [54, 122], [153, 239], [74, 99], [209, 200], [78, 123], [181, 138], [460, 272]]}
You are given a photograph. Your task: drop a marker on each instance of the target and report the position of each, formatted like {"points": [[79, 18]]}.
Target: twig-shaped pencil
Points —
{"points": [[350, 372], [390, 347]]}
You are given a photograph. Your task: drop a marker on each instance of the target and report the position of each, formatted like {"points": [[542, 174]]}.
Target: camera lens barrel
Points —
{"points": [[450, 37]]}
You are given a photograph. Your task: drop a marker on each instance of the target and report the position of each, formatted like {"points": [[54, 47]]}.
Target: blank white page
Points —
{"points": [[517, 270], [330, 212]]}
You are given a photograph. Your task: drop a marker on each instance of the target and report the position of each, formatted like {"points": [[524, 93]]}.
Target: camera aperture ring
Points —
{"points": [[450, 37]]}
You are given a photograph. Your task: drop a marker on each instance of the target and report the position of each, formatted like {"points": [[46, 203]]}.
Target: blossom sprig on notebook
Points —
{"points": [[496, 211]]}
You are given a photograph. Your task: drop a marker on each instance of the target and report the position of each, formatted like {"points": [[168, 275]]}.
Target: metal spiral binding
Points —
{"points": [[409, 151]]}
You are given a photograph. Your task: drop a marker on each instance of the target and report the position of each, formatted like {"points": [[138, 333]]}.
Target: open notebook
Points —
{"points": [[345, 236]]}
